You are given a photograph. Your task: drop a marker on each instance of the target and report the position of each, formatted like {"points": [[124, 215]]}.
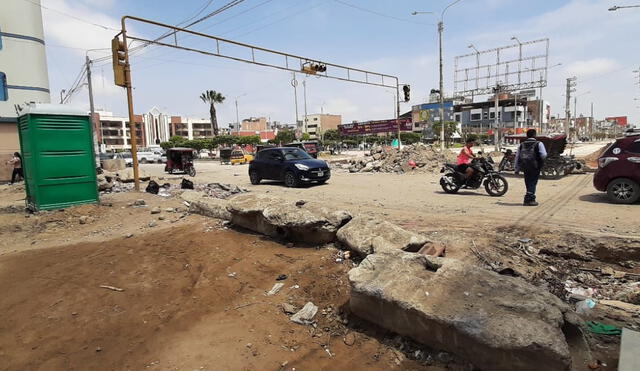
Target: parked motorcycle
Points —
{"points": [[508, 162], [453, 180]]}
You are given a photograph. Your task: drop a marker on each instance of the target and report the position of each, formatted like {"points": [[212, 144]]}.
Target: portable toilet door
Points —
{"points": [[58, 158]]}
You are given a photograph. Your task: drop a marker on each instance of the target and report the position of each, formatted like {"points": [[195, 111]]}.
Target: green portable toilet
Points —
{"points": [[57, 156]]}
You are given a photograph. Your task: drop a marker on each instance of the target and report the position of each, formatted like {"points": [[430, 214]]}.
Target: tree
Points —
{"points": [[174, 141], [251, 139], [306, 136], [332, 134], [284, 137], [211, 97], [450, 127], [410, 138]]}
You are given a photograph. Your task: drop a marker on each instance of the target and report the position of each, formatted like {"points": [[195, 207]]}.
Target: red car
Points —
{"points": [[618, 171]]}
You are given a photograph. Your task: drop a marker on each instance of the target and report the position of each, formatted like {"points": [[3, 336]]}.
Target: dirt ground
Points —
{"points": [[193, 298], [194, 291]]}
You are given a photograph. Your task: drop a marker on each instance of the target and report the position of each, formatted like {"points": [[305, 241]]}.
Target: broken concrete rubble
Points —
{"points": [[366, 235], [424, 157], [207, 206], [309, 223], [496, 322]]}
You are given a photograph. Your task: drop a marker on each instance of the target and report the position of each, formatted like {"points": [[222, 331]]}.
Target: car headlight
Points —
{"points": [[302, 167]]}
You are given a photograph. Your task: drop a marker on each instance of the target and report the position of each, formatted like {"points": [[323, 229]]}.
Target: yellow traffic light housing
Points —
{"points": [[119, 62]]}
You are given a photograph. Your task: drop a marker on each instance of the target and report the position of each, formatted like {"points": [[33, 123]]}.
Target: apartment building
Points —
{"points": [[316, 124], [152, 128]]}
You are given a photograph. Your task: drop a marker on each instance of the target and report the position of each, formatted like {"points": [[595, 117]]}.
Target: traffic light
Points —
{"points": [[407, 92], [119, 62], [312, 68]]}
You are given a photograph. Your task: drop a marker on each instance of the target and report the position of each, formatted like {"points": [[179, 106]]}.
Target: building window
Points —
{"points": [[476, 116], [492, 115], [456, 117], [4, 95]]}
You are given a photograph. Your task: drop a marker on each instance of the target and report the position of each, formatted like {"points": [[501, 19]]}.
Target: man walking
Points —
{"points": [[529, 159]]}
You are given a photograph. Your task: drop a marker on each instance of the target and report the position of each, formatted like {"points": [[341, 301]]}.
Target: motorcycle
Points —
{"points": [[453, 180], [508, 162]]}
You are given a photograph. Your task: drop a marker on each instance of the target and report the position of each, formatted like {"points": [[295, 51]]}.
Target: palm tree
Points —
{"points": [[211, 97]]}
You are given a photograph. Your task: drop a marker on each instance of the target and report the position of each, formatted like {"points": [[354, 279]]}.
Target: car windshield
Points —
{"points": [[295, 154], [126, 154]]}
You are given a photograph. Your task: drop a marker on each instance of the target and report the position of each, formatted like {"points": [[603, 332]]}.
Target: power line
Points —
{"points": [[73, 16], [378, 13], [305, 9], [211, 14]]}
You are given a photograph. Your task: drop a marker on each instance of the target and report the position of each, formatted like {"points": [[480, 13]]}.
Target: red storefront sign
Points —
{"points": [[373, 127]]}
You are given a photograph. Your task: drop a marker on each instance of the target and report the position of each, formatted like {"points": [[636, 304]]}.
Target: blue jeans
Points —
{"points": [[531, 181]]}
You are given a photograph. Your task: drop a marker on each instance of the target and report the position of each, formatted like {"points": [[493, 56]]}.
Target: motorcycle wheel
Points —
{"points": [[496, 185], [192, 171], [503, 165], [451, 186], [550, 173]]}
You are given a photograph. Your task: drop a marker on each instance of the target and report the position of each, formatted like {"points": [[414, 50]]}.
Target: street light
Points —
{"points": [[471, 46], [616, 7], [237, 115], [440, 31]]}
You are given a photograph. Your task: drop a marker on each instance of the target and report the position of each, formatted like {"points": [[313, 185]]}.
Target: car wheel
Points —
{"points": [[143, 160], [254, 177], [290, 179], [623, 191], [322, 181]]}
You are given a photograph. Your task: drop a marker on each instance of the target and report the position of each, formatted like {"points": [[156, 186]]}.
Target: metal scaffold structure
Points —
{"points": [[233, 50], [504, 69]]}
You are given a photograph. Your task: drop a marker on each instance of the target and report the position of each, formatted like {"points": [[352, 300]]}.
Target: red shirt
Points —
{"points": [[465, 156]]}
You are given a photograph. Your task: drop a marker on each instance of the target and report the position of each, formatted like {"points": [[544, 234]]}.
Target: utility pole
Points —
{"points": [[591, 122], [237, 117], [294, 83], [91, 106], [440, 30], [132, 118], [304, 86], [496, 129], [571, 83]]}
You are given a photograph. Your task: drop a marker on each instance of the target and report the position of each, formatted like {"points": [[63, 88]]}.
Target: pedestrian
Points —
{"points": [[530, 159], [16, 161]]}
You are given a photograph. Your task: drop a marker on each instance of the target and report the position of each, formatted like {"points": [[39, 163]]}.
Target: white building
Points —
{"points": [[23, 67], [153, 128]]}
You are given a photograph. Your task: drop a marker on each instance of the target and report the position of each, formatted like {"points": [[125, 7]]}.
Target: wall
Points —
{"points": [[9, 143]]}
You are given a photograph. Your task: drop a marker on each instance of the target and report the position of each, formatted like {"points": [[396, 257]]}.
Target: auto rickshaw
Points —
{"points": [[225, 155], [239, 156], [180, 159]]}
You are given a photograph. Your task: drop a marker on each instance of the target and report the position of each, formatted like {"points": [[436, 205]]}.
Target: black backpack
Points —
{"points": [[529, 157], [153, 187]]}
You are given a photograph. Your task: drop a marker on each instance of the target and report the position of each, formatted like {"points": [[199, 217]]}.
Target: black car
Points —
{"points": [[291, 165]]}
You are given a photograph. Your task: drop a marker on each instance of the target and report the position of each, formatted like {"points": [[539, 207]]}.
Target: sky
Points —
{"points": [[595, 45]]}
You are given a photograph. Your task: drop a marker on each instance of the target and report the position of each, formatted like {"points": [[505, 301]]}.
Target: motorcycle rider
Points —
{"points": [[465, 157], [530, 158]]}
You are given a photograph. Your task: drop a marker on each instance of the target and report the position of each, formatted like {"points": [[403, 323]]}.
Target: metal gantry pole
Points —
{"points": [[132, 124]]}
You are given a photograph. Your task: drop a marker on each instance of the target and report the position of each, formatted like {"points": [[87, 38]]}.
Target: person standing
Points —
{"points": [[16, 161], [530, 159]]}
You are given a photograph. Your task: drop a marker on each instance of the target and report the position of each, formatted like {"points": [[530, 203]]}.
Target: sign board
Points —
{"points": [[373, 127], [618, 120], [527, 93]]}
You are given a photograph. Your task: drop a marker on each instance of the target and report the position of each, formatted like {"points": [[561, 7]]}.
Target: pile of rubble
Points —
{"points": [[414, 157], [220, 190]]}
